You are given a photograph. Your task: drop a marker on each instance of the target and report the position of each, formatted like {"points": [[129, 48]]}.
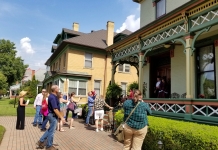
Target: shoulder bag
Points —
{"points": [[119, 131]]}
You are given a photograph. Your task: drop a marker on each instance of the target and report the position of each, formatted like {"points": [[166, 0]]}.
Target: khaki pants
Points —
{"points": [[133, 139]]}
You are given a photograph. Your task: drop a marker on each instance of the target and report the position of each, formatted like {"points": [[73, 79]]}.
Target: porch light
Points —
{"points": [[160, 144], [167, 45]]}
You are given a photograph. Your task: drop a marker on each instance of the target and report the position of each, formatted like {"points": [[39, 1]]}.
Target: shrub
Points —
{"points": [[178, 135], [118, 117], [2, 131], [133, 85]]}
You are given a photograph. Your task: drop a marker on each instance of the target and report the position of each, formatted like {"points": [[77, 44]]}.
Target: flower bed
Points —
{"points": [[177, 135]]}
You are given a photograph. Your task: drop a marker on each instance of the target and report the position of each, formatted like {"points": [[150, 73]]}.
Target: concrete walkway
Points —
{"points": [[81, 138]]}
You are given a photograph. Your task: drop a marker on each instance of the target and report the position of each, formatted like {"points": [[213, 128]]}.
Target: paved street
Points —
{"points": [[81, 138]]}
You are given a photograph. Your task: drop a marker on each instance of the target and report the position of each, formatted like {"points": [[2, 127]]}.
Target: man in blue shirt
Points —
{"points": [[91, 100], [54, 114]]}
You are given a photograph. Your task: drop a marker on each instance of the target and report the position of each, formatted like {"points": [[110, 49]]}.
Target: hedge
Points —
{"points": [[178, 135], [2, 131]]}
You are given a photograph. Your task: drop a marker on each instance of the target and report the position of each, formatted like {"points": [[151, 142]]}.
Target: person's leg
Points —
{"points": [[58, 125], [61, 125], [89, 114], [43, 127], [138, 138], [101, 116], [71, 124], [18, 119], [22, 118], [67, 112], [96, 125], [36, 116], [128, 136], [40, 116], [96, 119], [51, 131]]}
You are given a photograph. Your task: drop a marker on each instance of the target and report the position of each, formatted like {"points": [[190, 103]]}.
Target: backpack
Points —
{"points": [[44, 105]]}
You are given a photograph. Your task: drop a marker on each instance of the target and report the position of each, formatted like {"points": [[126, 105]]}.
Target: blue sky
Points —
{"points": [[33, 24]]}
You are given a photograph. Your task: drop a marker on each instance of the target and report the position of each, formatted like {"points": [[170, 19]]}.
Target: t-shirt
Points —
{"points": [[53, 103], [99, 104]]}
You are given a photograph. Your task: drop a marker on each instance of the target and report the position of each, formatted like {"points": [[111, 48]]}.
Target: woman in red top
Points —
{"points": [[44, 110]]}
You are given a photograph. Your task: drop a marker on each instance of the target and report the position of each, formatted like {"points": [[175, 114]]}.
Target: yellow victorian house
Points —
{"points": [[178, 41], [79, 62]]}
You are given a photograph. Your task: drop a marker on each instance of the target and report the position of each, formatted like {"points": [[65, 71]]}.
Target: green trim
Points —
{"points": [[181, 115], [204, 118], [60, 54], [78, 78], [203, 12], [204, 25], [163, 41], [129, 54]]}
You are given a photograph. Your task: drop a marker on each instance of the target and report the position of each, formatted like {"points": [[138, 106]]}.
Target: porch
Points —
{"points": [[181, 46]]}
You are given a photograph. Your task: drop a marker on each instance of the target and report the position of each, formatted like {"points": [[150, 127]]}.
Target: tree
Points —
{"points": [[31, 87], [113, 93], [3, 84], [11, 66]]}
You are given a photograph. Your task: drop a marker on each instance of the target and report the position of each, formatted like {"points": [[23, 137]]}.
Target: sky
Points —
{"points": [[33, 24]]}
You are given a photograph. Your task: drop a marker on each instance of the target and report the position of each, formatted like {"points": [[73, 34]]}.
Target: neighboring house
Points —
{"points": [[79, 62], [177, 41]]}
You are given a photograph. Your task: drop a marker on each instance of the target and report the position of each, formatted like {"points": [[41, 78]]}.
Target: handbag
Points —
{"points": [[71, 106], [119, 131]]}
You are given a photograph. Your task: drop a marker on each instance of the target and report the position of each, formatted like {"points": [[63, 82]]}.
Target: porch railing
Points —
{"points": [[195, 110]]}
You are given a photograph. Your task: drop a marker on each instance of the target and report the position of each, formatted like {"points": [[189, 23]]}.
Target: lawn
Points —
{"points": [[7, 109], [2, 131]]}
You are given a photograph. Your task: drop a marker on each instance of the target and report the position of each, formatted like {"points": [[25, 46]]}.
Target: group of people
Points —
{"points": [[135, 128], [161, 89]]}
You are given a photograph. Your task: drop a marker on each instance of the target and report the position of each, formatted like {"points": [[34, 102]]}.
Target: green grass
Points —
{"points": [[2, 131], [7, 109]]}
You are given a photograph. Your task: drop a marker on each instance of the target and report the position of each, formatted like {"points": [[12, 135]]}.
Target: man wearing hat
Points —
{"points": [[37, 106]]}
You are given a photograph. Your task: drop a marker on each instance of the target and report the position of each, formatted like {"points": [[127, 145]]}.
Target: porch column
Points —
{"points": [[113, 72], [140, 81], [190, 69]]}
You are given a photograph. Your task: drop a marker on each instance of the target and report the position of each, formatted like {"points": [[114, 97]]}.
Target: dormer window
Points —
{"points": [[160, 8]]}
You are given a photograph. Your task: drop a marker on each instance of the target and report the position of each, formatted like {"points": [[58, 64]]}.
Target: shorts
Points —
{"points": [[99, 114]]}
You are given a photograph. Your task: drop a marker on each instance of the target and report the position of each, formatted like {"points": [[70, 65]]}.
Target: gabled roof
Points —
{"points": [[127, 32], [96, 39], [72, 32], [57, 38]]}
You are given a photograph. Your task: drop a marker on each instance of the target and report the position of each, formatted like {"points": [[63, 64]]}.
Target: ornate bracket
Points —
{"points": [[185, 18], [182, 41], [143, 59], [196, 36]]}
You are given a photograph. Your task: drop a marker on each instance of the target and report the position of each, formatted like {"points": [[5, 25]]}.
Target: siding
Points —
{"points": [[178, 71]]}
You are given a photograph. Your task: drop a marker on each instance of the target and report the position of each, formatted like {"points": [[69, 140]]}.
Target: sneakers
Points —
{"points": [[72, 127], [102, 129], [40, 144], [52, 148], [96, 130]]}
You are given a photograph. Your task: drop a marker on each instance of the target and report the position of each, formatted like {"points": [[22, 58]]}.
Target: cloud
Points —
{"points": [[40, 63], [26, 46], [131, 23]]}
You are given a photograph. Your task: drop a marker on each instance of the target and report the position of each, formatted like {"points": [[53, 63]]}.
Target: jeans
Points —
{"points": [[49, 134], [44, 122], [38, 116], [89, 114]]}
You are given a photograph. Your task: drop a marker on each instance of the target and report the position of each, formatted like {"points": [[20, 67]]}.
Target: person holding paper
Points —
{"points": [[21, 111]]}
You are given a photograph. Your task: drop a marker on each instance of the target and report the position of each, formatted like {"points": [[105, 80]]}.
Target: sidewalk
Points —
{"points": [[81, 138]]}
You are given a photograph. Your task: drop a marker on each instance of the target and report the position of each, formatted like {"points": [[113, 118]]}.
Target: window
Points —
{"points": [[124, 68], [206, 73], [160, 8], [123, 86], [65, 56], [97, 87], [56, 82], [88, 60], [78, 87]]}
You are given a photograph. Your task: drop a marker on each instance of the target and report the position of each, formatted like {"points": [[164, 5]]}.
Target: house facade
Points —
{"points": [[177, 41], [79, 62]]}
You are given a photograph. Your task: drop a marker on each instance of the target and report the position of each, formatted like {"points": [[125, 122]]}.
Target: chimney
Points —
{"points": [[110, 33], [33, 73], [75, 26]]}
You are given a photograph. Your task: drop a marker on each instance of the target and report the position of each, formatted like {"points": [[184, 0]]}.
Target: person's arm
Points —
{"points": [[76, 101], [36, 101], [63, 100], [91, 99], [149, 112], [108, 105], [21, 102], [57, 112]]}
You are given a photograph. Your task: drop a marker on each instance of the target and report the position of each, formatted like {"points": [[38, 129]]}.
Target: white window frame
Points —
{"points": [[91, 60], [124, 68], [99, 86], [77, 86], [125, 89]]}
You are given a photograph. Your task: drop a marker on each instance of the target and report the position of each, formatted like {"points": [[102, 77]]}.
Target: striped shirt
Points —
{"points": [[138, 119]]}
